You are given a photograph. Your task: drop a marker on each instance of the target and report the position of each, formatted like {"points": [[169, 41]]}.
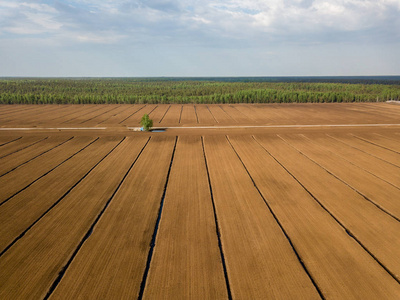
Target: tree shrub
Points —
{"points": [[146, 122]]}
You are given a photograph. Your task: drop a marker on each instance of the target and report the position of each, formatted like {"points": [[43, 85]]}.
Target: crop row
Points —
{"points": [[180, 115], [290, 215]]}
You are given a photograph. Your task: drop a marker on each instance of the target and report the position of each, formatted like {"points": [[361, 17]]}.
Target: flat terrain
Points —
{"points": [[289, 201]]}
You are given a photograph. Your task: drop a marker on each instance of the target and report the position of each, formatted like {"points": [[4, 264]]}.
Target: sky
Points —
{"points": [[152, 38]]}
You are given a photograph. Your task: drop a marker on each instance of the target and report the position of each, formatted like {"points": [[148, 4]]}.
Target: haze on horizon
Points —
{"points": [[199, 38]]}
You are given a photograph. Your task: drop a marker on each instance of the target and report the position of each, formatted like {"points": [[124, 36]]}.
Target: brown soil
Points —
{"points": [[264, 212]]}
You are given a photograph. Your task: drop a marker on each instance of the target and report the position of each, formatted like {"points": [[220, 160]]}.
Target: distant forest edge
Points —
{"points": [[198, 90]]}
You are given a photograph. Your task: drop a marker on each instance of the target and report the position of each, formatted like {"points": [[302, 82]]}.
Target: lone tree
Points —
{"points": [[146, 122]]}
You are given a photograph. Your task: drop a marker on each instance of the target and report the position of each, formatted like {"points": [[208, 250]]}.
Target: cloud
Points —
{"points": [[233, 19], [227, 27], [104, 38], [22, 18]]}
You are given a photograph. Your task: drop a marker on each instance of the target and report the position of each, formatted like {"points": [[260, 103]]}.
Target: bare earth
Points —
{"points": [[288, 201]]}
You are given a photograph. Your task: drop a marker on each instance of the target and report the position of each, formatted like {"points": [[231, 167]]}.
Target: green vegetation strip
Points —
{"points": [[164, 91]]}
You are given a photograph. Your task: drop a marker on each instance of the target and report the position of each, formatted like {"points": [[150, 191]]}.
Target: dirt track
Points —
{"points": [[270, 210]]}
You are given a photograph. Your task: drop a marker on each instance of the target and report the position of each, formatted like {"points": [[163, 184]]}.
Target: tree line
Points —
{"points": [[159, 91]]}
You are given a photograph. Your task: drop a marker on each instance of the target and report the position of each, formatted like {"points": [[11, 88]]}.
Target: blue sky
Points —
{"points": [[199, 38]]}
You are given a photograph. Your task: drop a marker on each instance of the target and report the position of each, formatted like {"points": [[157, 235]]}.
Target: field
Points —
{"points": [[233, 201]]}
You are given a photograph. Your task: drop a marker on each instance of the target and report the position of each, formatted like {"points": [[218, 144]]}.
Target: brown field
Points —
{"points": [[290, 201]]}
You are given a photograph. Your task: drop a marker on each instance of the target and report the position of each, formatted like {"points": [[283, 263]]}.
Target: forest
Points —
{"points": [[195, 90]]}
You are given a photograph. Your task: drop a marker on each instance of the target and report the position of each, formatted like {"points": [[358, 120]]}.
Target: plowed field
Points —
{"points": [[291, 201]]}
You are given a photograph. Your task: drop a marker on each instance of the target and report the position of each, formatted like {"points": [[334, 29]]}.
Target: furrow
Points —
{"points": [[30, 145], [220, 106], [195, 111], [371, 165], [186, 260], [21, 164], [216, 121], [343, 181], [111, 263], [48, 246], [364, 151], [217, 227], [60, 199], [65, 115], [121, 109], [260, 261], [164, 114], [312, 229], [89, 112], [131, 114], [376, 144], [153, 239], [47, 172], [92, 226], [180, 115], [98, 115], [348, 231], [11, 141], [279, 224]]}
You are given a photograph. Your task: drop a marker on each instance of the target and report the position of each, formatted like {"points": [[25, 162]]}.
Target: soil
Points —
{"points": [[290, 201]]}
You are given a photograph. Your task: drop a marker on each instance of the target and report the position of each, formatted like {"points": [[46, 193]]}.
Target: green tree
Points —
{"points": [[146, 122]]}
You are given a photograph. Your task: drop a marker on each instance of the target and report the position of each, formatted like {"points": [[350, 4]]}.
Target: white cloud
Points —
{"points": [[256, 26], [104, 38], [228, 18], [28, 18], [305, 17], [44, 8]]}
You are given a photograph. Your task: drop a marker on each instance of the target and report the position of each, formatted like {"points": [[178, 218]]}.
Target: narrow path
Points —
{"points": [[204, 127]]}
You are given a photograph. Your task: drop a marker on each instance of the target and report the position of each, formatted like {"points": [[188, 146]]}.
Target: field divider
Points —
{"points": [[41, 176], [234, 120], [39, 115], [350, 186], [165, 113], [89, 112], [98, 115], [30, 145], [217, 228], [105, 120], [36, 156], [279, 224], [65, 115], [180, 115], [89, 232], [379, 145], [386, 137], [151, 111], [11, 141], [337, 220], [244, 114], [356, 165], [20, 112], [154, 236], [131, 114], [61, 198], [195, 112], [14, 111], [363, 151], [212, 114]]}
